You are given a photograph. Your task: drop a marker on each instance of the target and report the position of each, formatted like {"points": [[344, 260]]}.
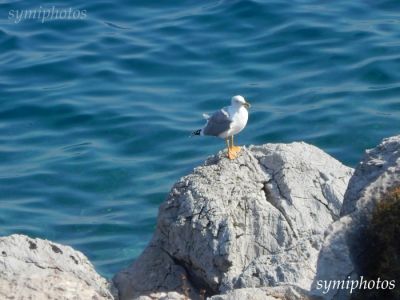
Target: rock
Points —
{"points": [[378, 171], [40, 269], [164, 296], [285, 292], [154, 276], [339, 259], [252, 222], [334, 262]]}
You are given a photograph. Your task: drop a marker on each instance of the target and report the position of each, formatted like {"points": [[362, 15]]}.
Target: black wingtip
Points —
{"points": [[196, 132]]}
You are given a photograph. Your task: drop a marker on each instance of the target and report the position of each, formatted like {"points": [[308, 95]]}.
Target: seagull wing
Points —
{"points": [[206, 116], [218, 123]]}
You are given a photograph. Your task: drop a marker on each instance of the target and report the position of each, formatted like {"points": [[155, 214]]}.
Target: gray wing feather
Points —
{"points": [[218, 123]]}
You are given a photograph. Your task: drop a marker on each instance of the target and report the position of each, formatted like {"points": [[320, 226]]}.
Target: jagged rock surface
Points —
{"points": [[39, 269], [154, 276], [252, 222], [284, 292], [376, 174]]}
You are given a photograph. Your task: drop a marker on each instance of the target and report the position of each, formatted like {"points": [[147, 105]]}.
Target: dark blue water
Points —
{"points": [[95, 113]]}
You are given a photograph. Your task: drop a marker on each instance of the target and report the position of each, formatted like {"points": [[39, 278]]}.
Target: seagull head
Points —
{"points": [[238, 101]]}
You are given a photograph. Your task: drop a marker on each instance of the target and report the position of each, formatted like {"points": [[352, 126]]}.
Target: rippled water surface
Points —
{"points": [[95, 113]]}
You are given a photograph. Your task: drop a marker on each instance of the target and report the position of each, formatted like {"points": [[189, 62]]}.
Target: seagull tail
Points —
{"points": [[196, 132]]}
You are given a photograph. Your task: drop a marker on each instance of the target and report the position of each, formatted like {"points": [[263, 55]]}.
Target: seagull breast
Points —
{"points": [[239, 119]]}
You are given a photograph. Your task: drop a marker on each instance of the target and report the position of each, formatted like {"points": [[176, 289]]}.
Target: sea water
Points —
{"points": [[95, 111]]}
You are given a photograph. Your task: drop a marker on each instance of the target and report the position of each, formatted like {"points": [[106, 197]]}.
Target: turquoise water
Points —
{"points": [[95, 113]]}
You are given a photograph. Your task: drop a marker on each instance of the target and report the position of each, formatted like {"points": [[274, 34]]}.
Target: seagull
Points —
{"points": [[227, 122]]}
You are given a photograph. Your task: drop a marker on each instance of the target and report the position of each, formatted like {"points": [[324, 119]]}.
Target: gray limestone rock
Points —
{"points": [[40, 269], [283, 292], [378, 171], [252, 222], [376, 174], [154, 276]]}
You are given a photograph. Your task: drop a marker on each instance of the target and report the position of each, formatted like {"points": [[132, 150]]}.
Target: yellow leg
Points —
{"points": [[231, 155], [235, 149], [228, 146]]}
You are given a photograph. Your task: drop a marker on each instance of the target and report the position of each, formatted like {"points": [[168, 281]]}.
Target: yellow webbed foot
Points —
{"points": [[236, 149], [232, 154]]}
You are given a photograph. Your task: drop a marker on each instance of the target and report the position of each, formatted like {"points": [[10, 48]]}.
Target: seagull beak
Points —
{"points": [[247, 105]]}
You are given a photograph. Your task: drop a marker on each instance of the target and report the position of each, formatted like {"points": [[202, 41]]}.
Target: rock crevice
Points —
{"points": [[339, 258]]}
